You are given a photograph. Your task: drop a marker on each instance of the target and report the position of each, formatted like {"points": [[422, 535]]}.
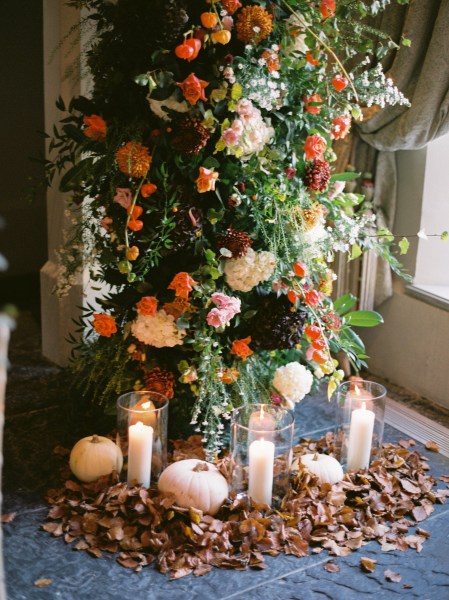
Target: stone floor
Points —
{"points": [[39, 416]]}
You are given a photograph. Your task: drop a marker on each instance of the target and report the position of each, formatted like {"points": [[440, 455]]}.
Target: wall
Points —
{"points": [[411, 348], [24, 238]]}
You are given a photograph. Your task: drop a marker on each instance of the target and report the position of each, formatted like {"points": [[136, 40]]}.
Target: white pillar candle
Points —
{"points": [[261, 466], [261, 423], [140, 449], [360, 437]]}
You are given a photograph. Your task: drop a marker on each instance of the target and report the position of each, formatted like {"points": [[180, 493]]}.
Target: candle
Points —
{"points": [[145, 412], [140, 449], [360, 437], [261, 423], [261, 465]]}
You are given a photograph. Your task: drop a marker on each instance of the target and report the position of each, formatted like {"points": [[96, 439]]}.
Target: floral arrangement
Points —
{"points": [[204, 195]]}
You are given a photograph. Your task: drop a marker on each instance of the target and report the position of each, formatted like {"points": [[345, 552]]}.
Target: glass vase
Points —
{"points": [[261, 452], [360, 423], [142, 419]]}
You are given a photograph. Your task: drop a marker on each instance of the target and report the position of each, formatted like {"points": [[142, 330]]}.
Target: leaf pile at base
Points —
{"points": [[142, 526]]}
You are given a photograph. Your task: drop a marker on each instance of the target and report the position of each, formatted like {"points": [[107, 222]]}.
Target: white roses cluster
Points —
{"points": [[242, 274], [293, 382], [159, 331]]}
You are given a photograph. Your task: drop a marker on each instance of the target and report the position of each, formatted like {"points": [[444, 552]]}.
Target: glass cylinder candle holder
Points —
{"points": [[261, 452], [360, 423], [142, 419]]}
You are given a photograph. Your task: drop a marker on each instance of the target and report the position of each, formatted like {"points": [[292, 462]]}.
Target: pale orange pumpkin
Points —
{"points": [[95, 456]]}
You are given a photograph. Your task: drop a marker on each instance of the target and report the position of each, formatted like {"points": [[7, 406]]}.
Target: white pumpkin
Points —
{"points": [[94, 456], [195, 484], [325, 467]]}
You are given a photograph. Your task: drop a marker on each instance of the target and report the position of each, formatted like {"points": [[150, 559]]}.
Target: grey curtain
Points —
{"points": [[421, 72]]}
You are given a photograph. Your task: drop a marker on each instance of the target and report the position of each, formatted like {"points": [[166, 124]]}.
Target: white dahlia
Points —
{"points": [[293, 382]]}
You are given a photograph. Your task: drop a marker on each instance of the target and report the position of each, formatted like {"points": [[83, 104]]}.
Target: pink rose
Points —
{"points": [[217, 317], [245, 108], [227, 304], [123, 197]]}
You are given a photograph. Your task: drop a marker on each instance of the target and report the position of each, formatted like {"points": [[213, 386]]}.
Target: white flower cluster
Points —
{"points": [[293, 382], [242, 274], [159, 331], [375, 88]]}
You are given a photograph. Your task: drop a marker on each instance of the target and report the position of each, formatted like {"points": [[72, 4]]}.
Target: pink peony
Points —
{"points": [[230, 136]]}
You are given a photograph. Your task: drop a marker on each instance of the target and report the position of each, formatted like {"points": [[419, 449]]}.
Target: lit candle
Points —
{"points": [[261, 465], [360, 437], [358, 392], [140, 449], [261, 423], [144, 411]]}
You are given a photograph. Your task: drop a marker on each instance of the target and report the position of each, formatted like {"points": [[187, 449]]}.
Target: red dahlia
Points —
{"points": [[316, 175], [237, 242]]}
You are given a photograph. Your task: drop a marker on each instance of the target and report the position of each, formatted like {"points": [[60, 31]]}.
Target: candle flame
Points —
{"points": [[147, 404], [261, 413], [363, 405], [357, 389]]}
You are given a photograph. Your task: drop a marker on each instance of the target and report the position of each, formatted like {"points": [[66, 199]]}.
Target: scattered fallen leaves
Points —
{"points": [[44, 582], [392, 576], [432, 446], [368, 564], [8, 517], [140, 526], [331, 567]]}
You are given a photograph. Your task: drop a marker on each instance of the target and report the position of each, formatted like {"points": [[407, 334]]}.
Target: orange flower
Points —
{"points": [[95, 128], [133, 159], [222, 36], [312, 60], [104, 324], [272, 60], [253, 25], [134, 222], [231, 6], [178, 307], [314, 147], [241, 349], [147, 306], [315, 98], [327, 8], [147, 189], [182, 284], [206, 180], [228, 375], [193, 88], [208, 19], [340, 127]]}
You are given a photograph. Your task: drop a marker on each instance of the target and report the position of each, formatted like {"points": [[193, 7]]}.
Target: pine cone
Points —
{"points": [[190, 136], [275, 327], [237, 242], [316, 175]]}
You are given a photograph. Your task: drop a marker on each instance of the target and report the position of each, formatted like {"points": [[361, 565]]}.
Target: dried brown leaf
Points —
{"points": [[8, 517], [392, 576], [368, 564], [43, 582], [331, 567], [432, 446]]}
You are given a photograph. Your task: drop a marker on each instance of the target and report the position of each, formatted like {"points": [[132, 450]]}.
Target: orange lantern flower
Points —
{"points": [[148, 189], [209, 20]]}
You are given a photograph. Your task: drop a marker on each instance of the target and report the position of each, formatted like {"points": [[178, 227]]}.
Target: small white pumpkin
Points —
{"points": [[195, 484], [325, 467], [94, 456]]}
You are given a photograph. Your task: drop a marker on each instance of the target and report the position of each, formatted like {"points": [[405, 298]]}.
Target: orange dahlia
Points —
{"points": [[133, 159], [253, 25], [161, 381]]}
